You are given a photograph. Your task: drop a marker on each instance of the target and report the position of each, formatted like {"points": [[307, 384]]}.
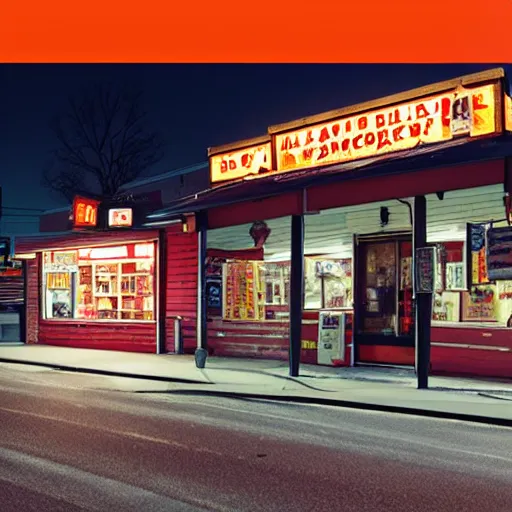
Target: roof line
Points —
{"points": [[164, 176]]}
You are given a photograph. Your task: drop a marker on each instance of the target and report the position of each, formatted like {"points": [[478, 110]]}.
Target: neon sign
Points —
{"points": [[374, 133], [85, 212], [241, 163]]}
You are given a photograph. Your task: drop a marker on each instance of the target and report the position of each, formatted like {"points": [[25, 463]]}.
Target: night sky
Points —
{"points": [[193, 106]]}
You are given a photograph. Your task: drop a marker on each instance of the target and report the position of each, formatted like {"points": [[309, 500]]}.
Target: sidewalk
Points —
{"points": [[362, 387]]}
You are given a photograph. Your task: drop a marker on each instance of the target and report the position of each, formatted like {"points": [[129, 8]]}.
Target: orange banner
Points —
{"points": [[285, 31]]}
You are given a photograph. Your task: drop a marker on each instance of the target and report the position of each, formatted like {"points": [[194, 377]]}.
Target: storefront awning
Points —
{"points": [[447, 154], [76, 240]]}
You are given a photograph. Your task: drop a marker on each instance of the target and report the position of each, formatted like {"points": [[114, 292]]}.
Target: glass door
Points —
{"points": [[379, 293], [384, 304]]}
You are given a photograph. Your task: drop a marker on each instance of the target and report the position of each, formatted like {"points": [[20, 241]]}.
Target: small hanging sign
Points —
{"points": [[425, 262]]}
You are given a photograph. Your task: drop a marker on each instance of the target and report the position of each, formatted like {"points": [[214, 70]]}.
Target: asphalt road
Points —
{"points": [[66, 445]]}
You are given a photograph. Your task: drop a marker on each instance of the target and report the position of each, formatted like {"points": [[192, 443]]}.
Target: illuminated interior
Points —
{"points": [[103, 283]]}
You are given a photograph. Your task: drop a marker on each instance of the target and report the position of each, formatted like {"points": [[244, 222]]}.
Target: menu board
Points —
{"points": [[425, 270], [240, 291], [499, 253], [477, 260], [478, 305]]}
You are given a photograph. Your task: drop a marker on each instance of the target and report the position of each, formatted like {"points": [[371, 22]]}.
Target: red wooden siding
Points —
{"points": [[32, 300], [473, 351], [181, 287], [268, 340], [384, 354], [125, 336]]}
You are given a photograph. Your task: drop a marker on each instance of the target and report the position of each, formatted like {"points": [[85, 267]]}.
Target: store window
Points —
{"points": [[103, 283], [463, 298], [327, 283]]}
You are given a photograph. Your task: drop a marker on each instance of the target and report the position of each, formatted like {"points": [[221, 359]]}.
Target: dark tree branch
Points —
{"points": [[103, 143]]}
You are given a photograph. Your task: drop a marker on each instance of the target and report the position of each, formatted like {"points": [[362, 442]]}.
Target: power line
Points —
{"points": [[24, 209], [21, 215]]}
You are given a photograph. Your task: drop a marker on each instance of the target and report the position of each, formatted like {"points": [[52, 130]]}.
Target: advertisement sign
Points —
{"points": [[378, 132], [241, 163], [499, 253], [477, 260], [478, 305], [240, 291], [331, 338], [85, 212], [425, 263], [120, 217]]}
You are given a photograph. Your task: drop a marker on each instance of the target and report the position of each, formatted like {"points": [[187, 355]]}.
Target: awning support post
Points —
{"points": [[296, 292]]}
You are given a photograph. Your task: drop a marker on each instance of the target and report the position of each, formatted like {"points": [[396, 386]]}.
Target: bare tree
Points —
{"points": [[103, 143]]}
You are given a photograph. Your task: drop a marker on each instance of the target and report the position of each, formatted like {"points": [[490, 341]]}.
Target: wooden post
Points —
{"points": [[202, 330], [162, 290], [423, 300], [296, 292]]}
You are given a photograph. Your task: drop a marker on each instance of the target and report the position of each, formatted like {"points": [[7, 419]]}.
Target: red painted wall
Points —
{"points": [[181, 287], [128, 336], [382, 188], [32, 299], [268, 340], [250, 211], [487, 361]]}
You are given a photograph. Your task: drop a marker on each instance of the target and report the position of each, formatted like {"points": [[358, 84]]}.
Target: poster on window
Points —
{"points": [[241, 291], [312, 285], [479, 304], [477, 260], [455, 276], [499, 253]]}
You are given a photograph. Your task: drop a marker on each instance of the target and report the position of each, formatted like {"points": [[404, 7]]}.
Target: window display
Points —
{"points": [[109, 283], [473, 298], [328, 283]]}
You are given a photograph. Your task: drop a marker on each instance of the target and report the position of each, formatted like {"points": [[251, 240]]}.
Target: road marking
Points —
{"points": [[133, 435]]}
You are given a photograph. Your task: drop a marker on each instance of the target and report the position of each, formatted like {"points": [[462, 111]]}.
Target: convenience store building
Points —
{"points": [[339, 203]]}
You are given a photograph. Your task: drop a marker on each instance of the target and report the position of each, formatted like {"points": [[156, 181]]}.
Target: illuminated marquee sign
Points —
{"points": [[85, 212], [120, 217], [405, 126], [241, 163], [508, 113]]}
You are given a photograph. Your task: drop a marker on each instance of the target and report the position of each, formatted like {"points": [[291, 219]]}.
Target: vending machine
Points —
{"points": [[331, 337]]}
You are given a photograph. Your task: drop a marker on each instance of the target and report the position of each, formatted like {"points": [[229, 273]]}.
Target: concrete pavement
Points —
{"points": [[361, 387]]}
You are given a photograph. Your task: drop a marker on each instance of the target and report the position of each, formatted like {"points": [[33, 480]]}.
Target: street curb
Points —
{"points": [[277, 398], [502, 422], [104, 372]]}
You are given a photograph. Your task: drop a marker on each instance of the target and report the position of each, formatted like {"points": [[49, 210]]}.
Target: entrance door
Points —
{"points": [[384, 307]]}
